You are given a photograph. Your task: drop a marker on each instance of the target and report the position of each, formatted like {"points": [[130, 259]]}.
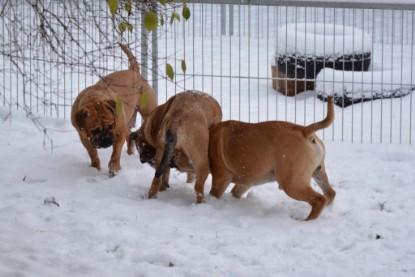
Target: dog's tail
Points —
{"points": [[312, 128], [132, 140], [132, 60], [171, 140]]}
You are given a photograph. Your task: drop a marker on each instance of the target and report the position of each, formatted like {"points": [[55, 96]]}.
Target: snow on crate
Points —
{"points": [[348, 87], [304, 49], [318, 39]]}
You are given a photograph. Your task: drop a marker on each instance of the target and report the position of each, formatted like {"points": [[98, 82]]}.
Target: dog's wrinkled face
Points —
{"points": [[146, 151], [97, 122]]}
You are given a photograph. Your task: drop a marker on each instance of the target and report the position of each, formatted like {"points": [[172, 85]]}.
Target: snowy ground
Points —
{"points": [[105, 227]]}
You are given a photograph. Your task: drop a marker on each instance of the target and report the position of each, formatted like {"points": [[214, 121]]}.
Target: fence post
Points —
{"points": [[144, 45], [230, 20], [154, 60], [223, 19]]}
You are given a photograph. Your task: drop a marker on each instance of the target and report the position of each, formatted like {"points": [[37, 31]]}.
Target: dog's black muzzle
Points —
{"points": [[103, 140], [147, 155]]}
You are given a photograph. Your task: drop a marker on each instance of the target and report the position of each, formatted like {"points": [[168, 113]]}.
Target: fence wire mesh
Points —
{"points": [[247, 56]]}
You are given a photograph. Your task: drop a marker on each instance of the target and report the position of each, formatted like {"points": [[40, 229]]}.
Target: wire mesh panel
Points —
{"points": [[53, 49], [267, 60], [276, 61]]}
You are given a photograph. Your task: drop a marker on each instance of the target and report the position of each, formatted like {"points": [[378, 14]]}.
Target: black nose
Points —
{"points": [[143, 160], [105, 140]]}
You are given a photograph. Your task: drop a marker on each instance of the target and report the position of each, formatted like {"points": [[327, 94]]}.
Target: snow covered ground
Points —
{"points": [[105, 227], [101, 226]]}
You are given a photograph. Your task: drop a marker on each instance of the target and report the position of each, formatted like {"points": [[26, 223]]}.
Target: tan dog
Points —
{"points": [[95, 116], [250, 154], [176, 134]]}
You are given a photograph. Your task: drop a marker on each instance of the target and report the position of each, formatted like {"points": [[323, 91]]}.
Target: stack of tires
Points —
{"points": [[304, 49]]}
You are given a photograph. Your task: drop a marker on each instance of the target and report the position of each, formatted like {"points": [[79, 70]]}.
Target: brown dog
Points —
{"points": [[251, 154], [98, 121], [176, 134]]}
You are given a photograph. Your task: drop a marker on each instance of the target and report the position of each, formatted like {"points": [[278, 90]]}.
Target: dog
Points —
{"points": [[176, 135], [101, 122], [249, 154]]}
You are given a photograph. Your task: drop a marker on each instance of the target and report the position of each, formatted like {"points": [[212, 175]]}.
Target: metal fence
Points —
{"points": [[238, 52]]}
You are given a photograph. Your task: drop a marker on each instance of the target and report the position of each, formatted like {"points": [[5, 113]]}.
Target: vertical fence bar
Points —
{"points": [[249, 64], [231, 19], [239, 60], [154, 62], [211, 50], [372, 77], [391, 79], [412, 79], [362, 86], [222, 19], [400, 102]]}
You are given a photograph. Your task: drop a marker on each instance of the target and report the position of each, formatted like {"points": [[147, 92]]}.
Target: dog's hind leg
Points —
{"points": [[220, 182], [162, 160], [322, 180], [201, 176], [304, 192], [165, 180], [239, 190]]}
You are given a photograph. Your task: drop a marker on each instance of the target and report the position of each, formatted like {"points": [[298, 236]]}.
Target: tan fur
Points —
{"points": [[250, 154], [187, 116], [95, 107]]}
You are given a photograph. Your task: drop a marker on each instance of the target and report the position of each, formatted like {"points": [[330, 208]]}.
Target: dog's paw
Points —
{"points": [[113, 169], [200, 199], [164, 187]]}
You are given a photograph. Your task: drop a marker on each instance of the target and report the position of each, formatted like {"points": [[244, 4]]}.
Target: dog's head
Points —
{"points": [[145, 150], [97, 122]]}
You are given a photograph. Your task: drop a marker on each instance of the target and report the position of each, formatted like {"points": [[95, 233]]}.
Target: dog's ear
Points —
{"points": [[80, 118]]}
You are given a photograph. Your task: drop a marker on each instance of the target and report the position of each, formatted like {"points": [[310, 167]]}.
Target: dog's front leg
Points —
{"points": [[155, 186], [114, 164], [92, 152]]}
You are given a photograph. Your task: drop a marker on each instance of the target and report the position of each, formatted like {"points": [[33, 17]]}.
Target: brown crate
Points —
{"points": [[289, 87]]}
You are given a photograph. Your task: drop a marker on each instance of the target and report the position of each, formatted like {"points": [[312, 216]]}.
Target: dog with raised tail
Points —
{"points": [[104, 113], [176, 135], [249, 154]]}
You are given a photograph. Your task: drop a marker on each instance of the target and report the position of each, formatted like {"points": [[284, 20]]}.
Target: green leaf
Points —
{"points": [[184, 67], [122, 27], [163, 2], [174, 16], [169, 71], [127, 7], [118, 105], [113, 6], [129, 27], [186, 12], [143, 100], [151, 21]]}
